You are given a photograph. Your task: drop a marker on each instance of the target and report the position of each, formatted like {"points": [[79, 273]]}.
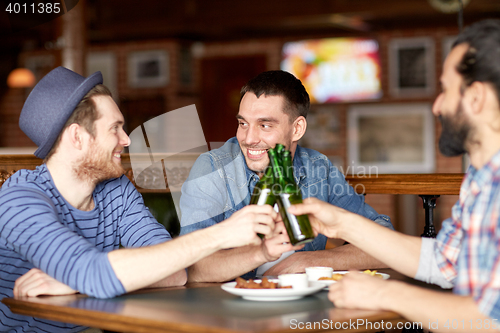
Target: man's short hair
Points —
{"points": [[481, 62], [85, 115], [281, 83]]}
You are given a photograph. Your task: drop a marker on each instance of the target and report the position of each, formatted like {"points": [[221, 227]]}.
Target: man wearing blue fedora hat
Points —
{"points": [[62, 224]]}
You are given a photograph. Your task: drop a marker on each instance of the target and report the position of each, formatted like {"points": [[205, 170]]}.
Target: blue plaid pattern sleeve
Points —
{"points": [[467, 248]]}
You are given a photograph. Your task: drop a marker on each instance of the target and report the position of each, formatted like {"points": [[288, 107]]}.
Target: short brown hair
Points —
{"points": [[85, 115], [280, 83]]}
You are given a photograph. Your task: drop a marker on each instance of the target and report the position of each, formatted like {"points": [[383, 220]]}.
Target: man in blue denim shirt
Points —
{"points": [[272, 110]]}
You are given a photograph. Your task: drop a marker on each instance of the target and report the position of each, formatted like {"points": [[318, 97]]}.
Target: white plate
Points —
{"points": [[326, 283], [267, 295]]}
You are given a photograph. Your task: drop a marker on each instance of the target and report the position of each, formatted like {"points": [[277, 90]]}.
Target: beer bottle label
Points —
{"points": [[294, 224]]}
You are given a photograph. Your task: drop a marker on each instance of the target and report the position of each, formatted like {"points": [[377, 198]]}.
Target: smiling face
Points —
{"points": [[261, 125], [102, 160]]}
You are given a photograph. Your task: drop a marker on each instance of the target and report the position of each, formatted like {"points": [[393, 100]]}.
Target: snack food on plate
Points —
{"points": [[336, 277], [264, 284]]}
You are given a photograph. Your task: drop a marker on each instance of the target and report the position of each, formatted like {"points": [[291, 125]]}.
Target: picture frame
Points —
{"points": [[323, 128], [391, 138], [185, 66], [40, 65], [446, 44], [105, 62], [148, 69], [412, 67]]}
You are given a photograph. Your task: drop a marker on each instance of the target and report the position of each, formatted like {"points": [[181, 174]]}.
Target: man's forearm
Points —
{"points": [[340, 258], [443, 312], [396, 250], [225, 265], [140, 267], [177, 279], [347, 257]]}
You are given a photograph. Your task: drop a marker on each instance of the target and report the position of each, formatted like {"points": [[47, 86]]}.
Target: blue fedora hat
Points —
{"points": [[51, 103]]}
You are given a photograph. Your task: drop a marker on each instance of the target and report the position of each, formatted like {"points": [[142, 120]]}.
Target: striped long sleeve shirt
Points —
{"points": [[39, 228]]}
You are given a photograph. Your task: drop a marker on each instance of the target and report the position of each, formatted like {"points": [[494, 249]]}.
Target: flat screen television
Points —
{"points": [[335, 69]]}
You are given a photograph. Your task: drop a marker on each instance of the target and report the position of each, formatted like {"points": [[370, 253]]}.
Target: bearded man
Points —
{"points": [[62, 224], [466, 253]]}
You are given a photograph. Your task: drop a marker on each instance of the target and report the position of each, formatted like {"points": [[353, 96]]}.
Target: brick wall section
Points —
{"points": [[384, 204], [270, 47], [11, 105], [170, 91]]}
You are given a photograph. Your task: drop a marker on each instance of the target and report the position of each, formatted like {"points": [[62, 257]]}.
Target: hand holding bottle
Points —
{"points": [[325, 218], [244, 225], [287, 193]]}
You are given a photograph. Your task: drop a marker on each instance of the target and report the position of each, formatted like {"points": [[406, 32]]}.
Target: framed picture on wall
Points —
{"points": [[323, 128], [446, 44], [411, 67], [391, 138], [148, 69], [185, 65], [40, 65], [105, 62]]}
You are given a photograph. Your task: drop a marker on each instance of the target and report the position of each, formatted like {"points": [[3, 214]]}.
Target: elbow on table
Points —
{"points": [[177, 279], [181, 278]]}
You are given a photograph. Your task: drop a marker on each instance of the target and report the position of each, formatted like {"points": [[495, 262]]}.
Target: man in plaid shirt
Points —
{"points": [[466, 253]]}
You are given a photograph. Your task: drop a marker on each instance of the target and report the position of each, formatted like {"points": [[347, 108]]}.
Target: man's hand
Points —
{"points": [[244, 225], [359, 291], [36, 282], [279, 243], [324, 217]]}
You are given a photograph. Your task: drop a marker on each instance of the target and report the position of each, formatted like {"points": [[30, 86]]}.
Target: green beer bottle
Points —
{"points": [[286, 158], [262, 194], [288, 193], [279, 149]]}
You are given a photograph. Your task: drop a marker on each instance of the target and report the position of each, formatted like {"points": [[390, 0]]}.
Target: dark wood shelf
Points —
{"points": [[420, 184]]}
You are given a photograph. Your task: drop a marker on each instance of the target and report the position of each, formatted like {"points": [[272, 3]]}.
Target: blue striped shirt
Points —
{"points": [[39, 228]]}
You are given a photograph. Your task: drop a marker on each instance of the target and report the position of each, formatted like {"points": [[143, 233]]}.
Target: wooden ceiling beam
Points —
{"points": [[216, 19]]}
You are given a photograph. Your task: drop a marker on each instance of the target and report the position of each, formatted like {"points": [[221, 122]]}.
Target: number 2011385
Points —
{"points": [[40, 8]]}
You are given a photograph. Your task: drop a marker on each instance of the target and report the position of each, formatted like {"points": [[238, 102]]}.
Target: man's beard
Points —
{"points": [[97, 166], [454, 135]]}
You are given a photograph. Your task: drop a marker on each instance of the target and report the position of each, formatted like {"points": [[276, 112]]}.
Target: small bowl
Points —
{"points": [[314, 273], [297, 281]]}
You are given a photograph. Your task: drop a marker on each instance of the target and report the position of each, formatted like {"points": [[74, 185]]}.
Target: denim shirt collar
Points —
{"points": [[299, 171], [251, 175]]}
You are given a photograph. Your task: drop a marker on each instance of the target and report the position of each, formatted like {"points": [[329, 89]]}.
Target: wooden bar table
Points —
{"points": [[419, 184], [202, 308]]}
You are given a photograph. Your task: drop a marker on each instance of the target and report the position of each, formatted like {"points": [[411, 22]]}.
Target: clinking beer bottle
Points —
{"points": [[262, 194], [288, 193]]}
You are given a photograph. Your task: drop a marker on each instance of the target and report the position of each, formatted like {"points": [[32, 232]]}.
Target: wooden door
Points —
{"points": [[221, 82]]}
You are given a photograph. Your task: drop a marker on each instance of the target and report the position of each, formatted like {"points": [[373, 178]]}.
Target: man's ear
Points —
{"points": [[299, 128], [75, 135], [476, 96]]}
